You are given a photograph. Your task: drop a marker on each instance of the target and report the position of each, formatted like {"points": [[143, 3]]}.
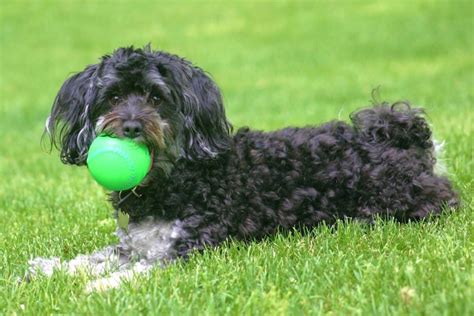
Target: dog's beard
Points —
{"points": [[154, 128]]}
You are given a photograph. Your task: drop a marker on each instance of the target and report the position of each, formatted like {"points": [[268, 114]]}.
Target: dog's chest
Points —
{"points": [[151, 239]]}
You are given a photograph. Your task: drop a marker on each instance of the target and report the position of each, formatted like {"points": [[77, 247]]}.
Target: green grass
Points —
{"points": [[278, 64]]}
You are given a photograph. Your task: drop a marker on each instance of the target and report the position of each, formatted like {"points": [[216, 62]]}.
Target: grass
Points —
{"points": [[278, 64]]}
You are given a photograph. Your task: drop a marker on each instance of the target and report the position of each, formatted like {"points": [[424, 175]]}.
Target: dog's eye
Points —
{"points": [[114, 99], [156, 99]]}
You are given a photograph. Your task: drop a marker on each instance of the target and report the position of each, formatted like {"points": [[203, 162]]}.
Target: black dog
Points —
{"points": [[208, 184]]}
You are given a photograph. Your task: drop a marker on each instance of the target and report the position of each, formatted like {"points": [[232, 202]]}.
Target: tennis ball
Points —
{"points": [[118, 163]]}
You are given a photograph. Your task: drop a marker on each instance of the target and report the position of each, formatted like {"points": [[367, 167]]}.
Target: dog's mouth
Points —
{"points": [[152, 134]]}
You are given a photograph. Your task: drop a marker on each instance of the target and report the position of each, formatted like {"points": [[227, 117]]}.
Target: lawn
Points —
{"points": [[278, 64]]}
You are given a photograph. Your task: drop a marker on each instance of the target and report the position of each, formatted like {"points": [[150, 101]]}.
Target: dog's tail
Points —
{"points": [[398, 125]]}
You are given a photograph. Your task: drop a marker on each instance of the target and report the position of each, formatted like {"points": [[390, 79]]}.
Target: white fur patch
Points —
{"points": [[151, 239]]}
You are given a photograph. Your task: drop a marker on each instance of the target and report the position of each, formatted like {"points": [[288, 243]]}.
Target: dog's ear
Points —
{"points": [[206, 131], [69, 125]]}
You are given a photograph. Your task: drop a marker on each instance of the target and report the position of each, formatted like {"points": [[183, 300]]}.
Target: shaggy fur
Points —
{"points": [[208, 184]]}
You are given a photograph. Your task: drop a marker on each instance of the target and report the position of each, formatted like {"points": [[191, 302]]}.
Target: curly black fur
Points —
{"points": [[246, 185]]}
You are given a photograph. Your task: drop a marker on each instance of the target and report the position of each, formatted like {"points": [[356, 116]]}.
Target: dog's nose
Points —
{"points": [[132, 129]]}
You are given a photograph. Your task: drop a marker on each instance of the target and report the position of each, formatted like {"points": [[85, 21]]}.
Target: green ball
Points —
{"points": [[118, 163]]}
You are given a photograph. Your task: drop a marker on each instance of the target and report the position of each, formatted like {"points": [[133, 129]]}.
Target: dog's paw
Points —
{"points": [[101, 285], [112, 282], [42, 266]]}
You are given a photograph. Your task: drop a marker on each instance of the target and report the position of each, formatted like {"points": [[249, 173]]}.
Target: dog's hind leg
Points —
{"points": [[405, 198], [399, 176], [431, 195]]}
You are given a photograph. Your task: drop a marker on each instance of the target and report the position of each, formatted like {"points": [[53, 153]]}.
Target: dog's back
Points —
{"points": [[381, 165]]}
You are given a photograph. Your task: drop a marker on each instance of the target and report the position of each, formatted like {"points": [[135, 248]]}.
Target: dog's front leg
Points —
{"points": [[115, 279], [145, 243], [157, 242], [108, 259]]}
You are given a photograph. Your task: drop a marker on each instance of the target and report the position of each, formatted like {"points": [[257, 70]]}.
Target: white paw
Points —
{"points": [[112, 282], [101, 285], [115, 279], [45, 266]]}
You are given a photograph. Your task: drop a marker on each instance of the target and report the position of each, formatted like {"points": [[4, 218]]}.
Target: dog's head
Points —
{"points": [[152, 97]]}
